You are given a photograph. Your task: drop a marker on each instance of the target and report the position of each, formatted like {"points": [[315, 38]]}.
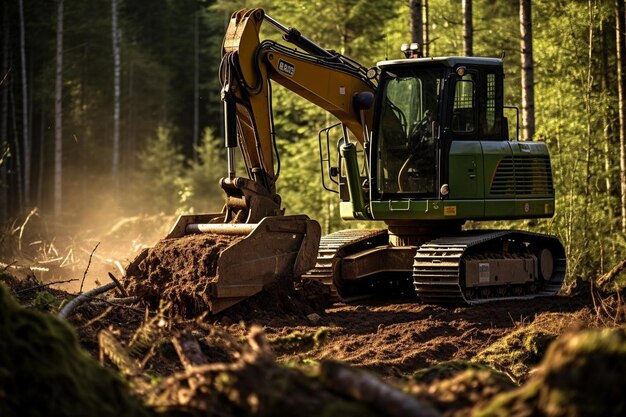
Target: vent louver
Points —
{"points": [[523, 176]]}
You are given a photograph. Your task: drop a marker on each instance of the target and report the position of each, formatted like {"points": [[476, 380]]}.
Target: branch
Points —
{"points": [[612, 274], [5, 76], [87, 269], [190, 354], [367, 388], [31, 214], [36, 287], [119, 285]]}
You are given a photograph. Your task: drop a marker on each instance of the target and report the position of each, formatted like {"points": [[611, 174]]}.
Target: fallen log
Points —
{"points": [[369, 389], [610, 276]]}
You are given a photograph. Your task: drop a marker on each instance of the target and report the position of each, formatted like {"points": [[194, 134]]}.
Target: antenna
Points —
{"points": [[386, 47]]}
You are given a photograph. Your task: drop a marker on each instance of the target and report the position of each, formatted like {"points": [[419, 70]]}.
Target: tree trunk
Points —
{"points": [[58, 116], [587, 97], [621, 91], [115, 166], [17, 154], [417, 24], [468, 28], [607, 129], [42, 152], [426, 29], [196, 95], [26, 146], [528, 87], [4, 127], [130, 134]]}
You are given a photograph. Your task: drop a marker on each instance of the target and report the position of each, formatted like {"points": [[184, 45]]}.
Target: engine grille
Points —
{"points": [[523, 175]]}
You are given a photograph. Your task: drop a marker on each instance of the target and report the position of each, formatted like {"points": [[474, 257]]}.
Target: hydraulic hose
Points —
{"points": [[69, 307]]}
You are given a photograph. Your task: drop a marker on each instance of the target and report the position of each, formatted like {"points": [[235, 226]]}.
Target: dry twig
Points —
{"points": [[7, 266], [87, 269], [119, 285], [23, 226], [189, 353], [19, 267], [36, 287], [97, 318]]}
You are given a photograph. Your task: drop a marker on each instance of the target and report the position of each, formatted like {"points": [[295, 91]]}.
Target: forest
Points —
{"points": [[117, 117]]}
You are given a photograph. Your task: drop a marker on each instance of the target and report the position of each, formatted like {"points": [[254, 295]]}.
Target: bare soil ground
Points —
{"points": [[390, 337], [456, 358], [395, 338], [399, 337]]}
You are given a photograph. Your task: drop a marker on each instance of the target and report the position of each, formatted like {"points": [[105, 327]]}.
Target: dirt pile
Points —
{"points": [[183, 271], [178, 271]]}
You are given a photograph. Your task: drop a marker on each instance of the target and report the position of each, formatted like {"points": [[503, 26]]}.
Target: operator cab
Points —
{"points": [[423, 106]]}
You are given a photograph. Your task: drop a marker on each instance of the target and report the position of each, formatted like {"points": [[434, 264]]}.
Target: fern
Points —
{"points": [[117, 354]]}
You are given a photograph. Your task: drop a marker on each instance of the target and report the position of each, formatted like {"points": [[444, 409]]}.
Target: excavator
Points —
{"points": [[423, 146]]}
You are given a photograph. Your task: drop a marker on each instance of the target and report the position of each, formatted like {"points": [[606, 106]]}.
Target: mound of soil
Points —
{"points": [[179, 271]]}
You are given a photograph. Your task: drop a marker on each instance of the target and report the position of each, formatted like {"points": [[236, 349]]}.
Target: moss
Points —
{"points": [[43, 371], [517, 352], [582, 374], [299, 341], [458, 386], [448, 369], [45, 301]]}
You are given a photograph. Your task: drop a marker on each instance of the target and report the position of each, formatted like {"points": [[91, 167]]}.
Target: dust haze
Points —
{"points": [[110, 228]]}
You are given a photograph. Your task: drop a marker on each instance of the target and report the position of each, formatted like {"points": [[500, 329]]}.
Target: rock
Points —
{"points": [[314, 318]]}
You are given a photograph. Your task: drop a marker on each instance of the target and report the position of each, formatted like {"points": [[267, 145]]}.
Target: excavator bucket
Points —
{"points": [[202, 265]]}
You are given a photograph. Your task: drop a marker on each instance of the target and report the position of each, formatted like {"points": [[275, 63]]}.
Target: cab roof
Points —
{"points": [[448, 61]]}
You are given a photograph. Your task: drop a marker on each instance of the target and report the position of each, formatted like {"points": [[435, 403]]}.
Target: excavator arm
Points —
{"points": [[325, 78], [255, 243]]}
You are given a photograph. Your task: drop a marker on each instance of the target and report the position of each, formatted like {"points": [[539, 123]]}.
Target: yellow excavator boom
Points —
{"points": [[262, 244], [321, 77]]}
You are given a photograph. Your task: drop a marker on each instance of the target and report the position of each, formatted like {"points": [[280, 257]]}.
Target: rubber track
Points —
{"points": [[332, 248], [437, 266]]}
